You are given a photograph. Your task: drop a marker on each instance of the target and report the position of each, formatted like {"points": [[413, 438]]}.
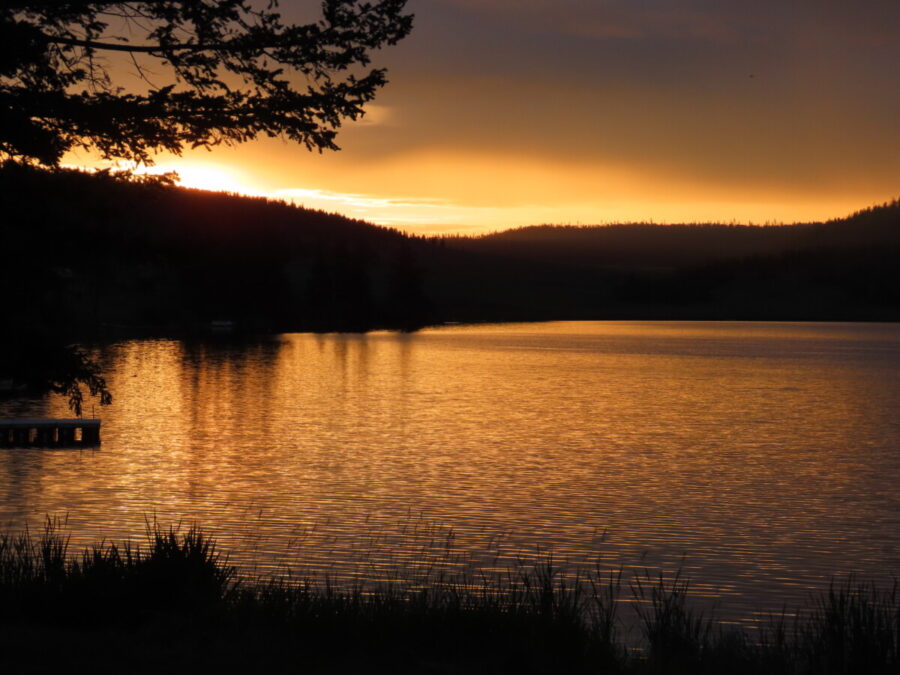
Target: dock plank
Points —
{"points": [[48, 432]]}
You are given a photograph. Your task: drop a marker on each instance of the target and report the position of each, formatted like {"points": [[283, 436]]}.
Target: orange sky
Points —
{"points": [[502, 113]]}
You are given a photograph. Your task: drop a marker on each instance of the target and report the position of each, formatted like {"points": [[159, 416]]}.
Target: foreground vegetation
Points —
{"points": [[175, 604]]}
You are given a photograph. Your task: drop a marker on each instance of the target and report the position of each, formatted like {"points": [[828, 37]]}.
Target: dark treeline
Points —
{"points": [[647, 245], [843, 269], [637, 246], [95, 255], [100, 253]]}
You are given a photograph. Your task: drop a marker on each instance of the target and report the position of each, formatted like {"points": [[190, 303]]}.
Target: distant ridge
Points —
{"points": [[92, 255], [676, 245]]}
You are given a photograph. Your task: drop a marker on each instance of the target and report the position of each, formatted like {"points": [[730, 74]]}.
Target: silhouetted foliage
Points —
{"points": [[841, 269], [135, 256], [51, 368], [212, 73], [177, 603], [637, 245], [408, 304]]}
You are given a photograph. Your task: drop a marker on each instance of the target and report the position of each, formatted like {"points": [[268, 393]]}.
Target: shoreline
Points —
{"points": [[118, 334]]}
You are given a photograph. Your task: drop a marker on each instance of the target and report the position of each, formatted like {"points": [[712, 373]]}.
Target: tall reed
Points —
{"points": [[533, 617]]}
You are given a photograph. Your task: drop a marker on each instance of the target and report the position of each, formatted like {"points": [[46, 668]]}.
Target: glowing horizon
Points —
{"points": [[573, 112], [422, 214]]}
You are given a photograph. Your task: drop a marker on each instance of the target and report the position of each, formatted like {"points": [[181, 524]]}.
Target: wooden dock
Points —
{"points": [[42, 432]]}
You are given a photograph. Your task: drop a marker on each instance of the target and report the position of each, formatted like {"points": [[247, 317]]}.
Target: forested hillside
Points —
{"points": [[845, 268], [94, 255], [112, 254]]}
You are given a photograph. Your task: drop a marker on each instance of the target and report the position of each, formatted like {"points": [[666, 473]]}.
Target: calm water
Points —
{"points": [[761, 458]]}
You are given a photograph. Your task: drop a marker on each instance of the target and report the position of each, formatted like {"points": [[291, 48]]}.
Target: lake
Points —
{"points": [[759, 458]]}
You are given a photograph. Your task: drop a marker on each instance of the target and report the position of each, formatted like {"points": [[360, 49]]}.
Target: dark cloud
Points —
{"points": [[768, 93]]}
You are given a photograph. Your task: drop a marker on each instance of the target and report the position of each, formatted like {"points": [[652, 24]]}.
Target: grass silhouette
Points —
{"points": [[175, 603]]}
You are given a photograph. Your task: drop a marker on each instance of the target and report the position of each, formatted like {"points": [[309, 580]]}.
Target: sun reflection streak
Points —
{"points": [[748, 447]]}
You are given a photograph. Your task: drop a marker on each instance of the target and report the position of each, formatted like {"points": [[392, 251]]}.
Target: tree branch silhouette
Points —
{"points": [[233, 70]]}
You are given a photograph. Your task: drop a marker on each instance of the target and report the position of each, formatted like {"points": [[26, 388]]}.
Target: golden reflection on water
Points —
{"points": [[759, 457]]}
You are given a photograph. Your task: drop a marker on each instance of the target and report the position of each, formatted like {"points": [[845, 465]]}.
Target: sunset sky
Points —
{"points": [[503, 113]]}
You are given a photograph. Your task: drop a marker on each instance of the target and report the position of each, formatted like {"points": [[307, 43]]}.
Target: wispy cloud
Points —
{"points": [[392, 211]]}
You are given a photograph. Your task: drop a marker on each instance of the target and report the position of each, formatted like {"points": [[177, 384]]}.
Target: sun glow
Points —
{"points": [[213, 177], [448, 191]]}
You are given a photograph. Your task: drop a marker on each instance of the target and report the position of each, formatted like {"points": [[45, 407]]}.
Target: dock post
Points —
{"points": [[49, 433], [90, 435]]}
